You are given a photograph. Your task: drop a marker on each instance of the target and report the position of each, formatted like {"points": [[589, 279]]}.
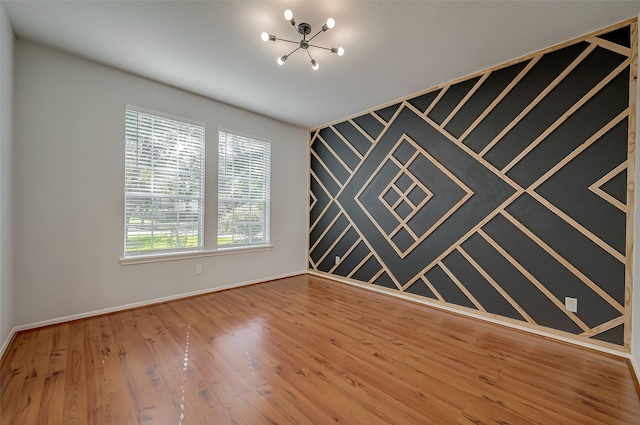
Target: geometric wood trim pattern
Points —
{"points": [[500, 193]]}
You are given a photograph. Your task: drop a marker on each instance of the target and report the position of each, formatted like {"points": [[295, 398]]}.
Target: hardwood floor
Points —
{"points": [[304, 350]]}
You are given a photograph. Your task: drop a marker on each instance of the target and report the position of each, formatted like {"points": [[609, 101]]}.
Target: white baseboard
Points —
{"points": [[142, 304], [612, 351], [6, 342], [636, 369], [335, 278]]}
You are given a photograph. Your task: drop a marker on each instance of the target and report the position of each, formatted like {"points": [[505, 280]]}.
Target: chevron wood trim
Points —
{"points": [[597, 187], [604, 327], [494, 179], [610, 46]]}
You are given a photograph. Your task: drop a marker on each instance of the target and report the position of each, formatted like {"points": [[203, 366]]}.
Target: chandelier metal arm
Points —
{"points": [[303, 30], [320, 47], [309, 54], [288, 41], [293, 51], [316, 34]]}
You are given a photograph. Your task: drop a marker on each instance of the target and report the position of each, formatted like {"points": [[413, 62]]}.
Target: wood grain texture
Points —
{"points": [[304, 350]]}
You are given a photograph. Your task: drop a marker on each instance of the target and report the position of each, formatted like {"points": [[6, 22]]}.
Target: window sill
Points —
{"points": [[155, 258]]}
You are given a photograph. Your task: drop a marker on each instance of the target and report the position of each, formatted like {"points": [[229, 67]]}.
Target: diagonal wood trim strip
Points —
{"points": [[606, 44], [597, 187], [533, 280], [346, 142], [497, 287], [538, 99], [462, 287], [465, 99], [604, 327], [502, 95], [608, 298], [566, 115]]}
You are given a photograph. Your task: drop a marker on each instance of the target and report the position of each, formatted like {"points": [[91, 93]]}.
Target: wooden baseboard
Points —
{"points": [[557, 337]]}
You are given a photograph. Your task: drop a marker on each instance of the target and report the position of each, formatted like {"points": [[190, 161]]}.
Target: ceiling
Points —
{"points": [[392, 48]]}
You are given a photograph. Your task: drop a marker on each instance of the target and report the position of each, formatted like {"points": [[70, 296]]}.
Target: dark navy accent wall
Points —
{"points": [[502, 193]]}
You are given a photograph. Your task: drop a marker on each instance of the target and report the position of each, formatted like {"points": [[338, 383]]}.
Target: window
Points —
{"points": [[243, 190], [164, 184]]}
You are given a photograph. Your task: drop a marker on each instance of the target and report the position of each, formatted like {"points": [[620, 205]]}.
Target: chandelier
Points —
{"points": [[303, 30]]}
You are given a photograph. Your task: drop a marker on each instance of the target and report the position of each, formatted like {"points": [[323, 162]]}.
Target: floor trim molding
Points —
{"points": [[635, 374], [7, 342], [633, 367], [609, 351], [129, 306]]}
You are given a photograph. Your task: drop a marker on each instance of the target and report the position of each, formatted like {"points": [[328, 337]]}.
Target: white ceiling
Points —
{"points": [[392, 48]]}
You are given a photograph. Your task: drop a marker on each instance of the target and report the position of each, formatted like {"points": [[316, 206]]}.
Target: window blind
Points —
{"points": [[164, 184], [243, 190]]}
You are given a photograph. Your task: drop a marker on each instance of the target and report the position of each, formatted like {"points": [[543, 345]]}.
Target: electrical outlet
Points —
{"points": [[337, 260], [199, 269], [571, 304]]}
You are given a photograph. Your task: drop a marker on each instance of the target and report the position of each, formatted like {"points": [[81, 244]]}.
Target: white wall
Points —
{"points": [[6, 176], [69, 180]]}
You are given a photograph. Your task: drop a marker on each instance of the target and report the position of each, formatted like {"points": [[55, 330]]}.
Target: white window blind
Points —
{"points": [[164, 184], [243, 190]]}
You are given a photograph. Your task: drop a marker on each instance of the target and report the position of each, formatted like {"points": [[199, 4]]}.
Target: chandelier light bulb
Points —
{"points": [[304, 35]]}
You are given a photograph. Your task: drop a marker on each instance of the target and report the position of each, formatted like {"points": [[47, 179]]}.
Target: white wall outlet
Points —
{"points": [[571, 304], [199, 268], [337, 260]]}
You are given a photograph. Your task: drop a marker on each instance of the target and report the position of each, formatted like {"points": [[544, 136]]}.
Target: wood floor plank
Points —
{"points": [[304, 350], [74, 409]]}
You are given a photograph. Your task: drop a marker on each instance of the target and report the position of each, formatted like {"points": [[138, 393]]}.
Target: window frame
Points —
{"points": [[162, 256], [199, 199], [266, 242]]}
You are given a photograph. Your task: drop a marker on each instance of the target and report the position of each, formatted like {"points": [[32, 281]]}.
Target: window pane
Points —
{"points": [[243, 190], [164, 184]]}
